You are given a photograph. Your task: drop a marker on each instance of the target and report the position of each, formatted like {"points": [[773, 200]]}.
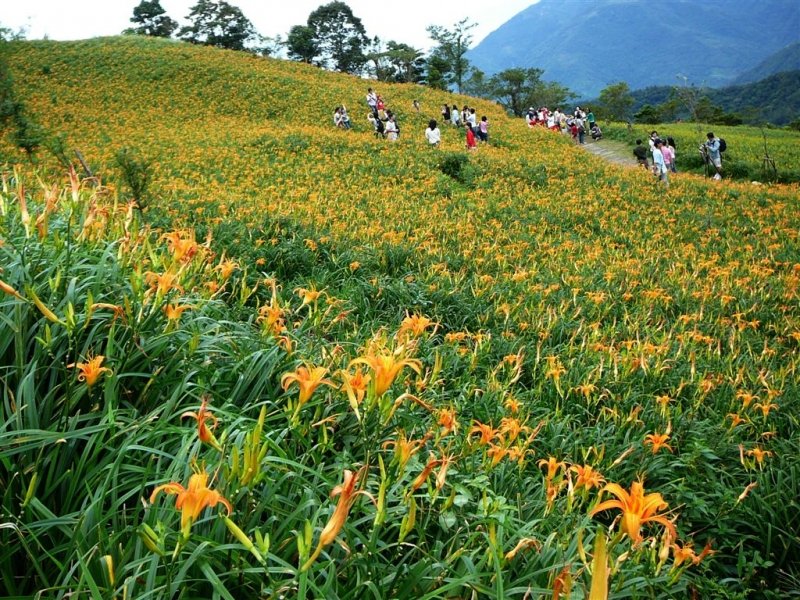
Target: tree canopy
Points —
{"points": [[616, 101], [451, 50], [217, 23], [338, 37], [151, 19]]}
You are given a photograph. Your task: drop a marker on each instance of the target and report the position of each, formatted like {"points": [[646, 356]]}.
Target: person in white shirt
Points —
{"points": [[432, 133], [372, 102], [391, 129], [659, 166]]}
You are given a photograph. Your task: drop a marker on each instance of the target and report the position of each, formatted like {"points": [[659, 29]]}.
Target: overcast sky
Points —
{"points": [[402, 21]]}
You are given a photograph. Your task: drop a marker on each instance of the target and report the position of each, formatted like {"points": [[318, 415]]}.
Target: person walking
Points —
{"points": [[659, 165]]}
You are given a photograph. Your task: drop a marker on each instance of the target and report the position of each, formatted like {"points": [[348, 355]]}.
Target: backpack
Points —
{"points": [[722, 145]]}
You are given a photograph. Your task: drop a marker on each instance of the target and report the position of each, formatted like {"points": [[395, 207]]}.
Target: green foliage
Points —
{"points": [[616, 102], [339, 38], [151, 19], [457, 166], [217, 23], [555, 283], [135, 173], [398, 62], [301, 44], [450, 51]]}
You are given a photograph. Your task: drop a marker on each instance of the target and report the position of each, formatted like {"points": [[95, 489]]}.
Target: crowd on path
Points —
{"points": [[658, 156], [384, 123]]}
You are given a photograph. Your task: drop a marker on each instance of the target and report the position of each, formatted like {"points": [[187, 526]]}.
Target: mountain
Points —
{"points": [[774, 99], [786, 59], [587, 45]]}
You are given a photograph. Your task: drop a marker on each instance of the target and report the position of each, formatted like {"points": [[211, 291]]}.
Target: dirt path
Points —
{"points": [[611, 150]]}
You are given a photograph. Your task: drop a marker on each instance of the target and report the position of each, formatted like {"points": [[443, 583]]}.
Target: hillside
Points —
{"points": [[785, 59], [313, 363], [588, 45]]}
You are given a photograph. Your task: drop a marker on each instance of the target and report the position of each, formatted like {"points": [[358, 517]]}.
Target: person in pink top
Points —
{"points": [[669, 156]]}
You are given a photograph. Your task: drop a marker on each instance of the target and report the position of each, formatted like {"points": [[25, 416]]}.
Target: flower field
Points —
{"points": [[319, 364]]}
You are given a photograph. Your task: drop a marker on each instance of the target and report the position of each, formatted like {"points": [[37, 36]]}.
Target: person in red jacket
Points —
{"points": [[471, 145]]}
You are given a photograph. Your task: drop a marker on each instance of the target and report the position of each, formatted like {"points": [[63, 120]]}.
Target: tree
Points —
{"points": [[217, 23], [616, 101], [9, 35], [437, 72], [648, 114], [301, 44], [397, 62], [517, 89], [513, 88], [339, 37], [477, 84], [151, 19], [452, 48], [551, 94]]}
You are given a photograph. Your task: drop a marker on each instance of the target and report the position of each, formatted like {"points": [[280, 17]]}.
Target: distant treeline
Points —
{"points": [[775, 100]]}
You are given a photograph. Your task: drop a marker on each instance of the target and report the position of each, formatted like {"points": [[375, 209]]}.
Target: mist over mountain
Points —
{"points": [[588, 44]]}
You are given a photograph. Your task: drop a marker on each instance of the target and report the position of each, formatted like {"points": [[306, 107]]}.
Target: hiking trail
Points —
{"points": [[612, 150]]}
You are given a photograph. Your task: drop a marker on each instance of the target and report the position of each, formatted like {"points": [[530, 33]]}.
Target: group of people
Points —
{"points": [[575, 124], [384, 121], [663, 156], [466, 117]]}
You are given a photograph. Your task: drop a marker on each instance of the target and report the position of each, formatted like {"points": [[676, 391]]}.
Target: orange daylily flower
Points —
{"points": [[448, 421], [486, 431], [173, 310], [205, 433], [182, 245], [759, 454], [386, 366], [347, 493], [588, 477], [226, 268], [682, 554], [308, 379], [90, 370], [511, 427], [553, 466], [657, 441], [637, 509], [164, 282], [496, 453], [413, 326], [765, 407], [193, 499], [355, 385], [405, 448], [425, 473]]}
